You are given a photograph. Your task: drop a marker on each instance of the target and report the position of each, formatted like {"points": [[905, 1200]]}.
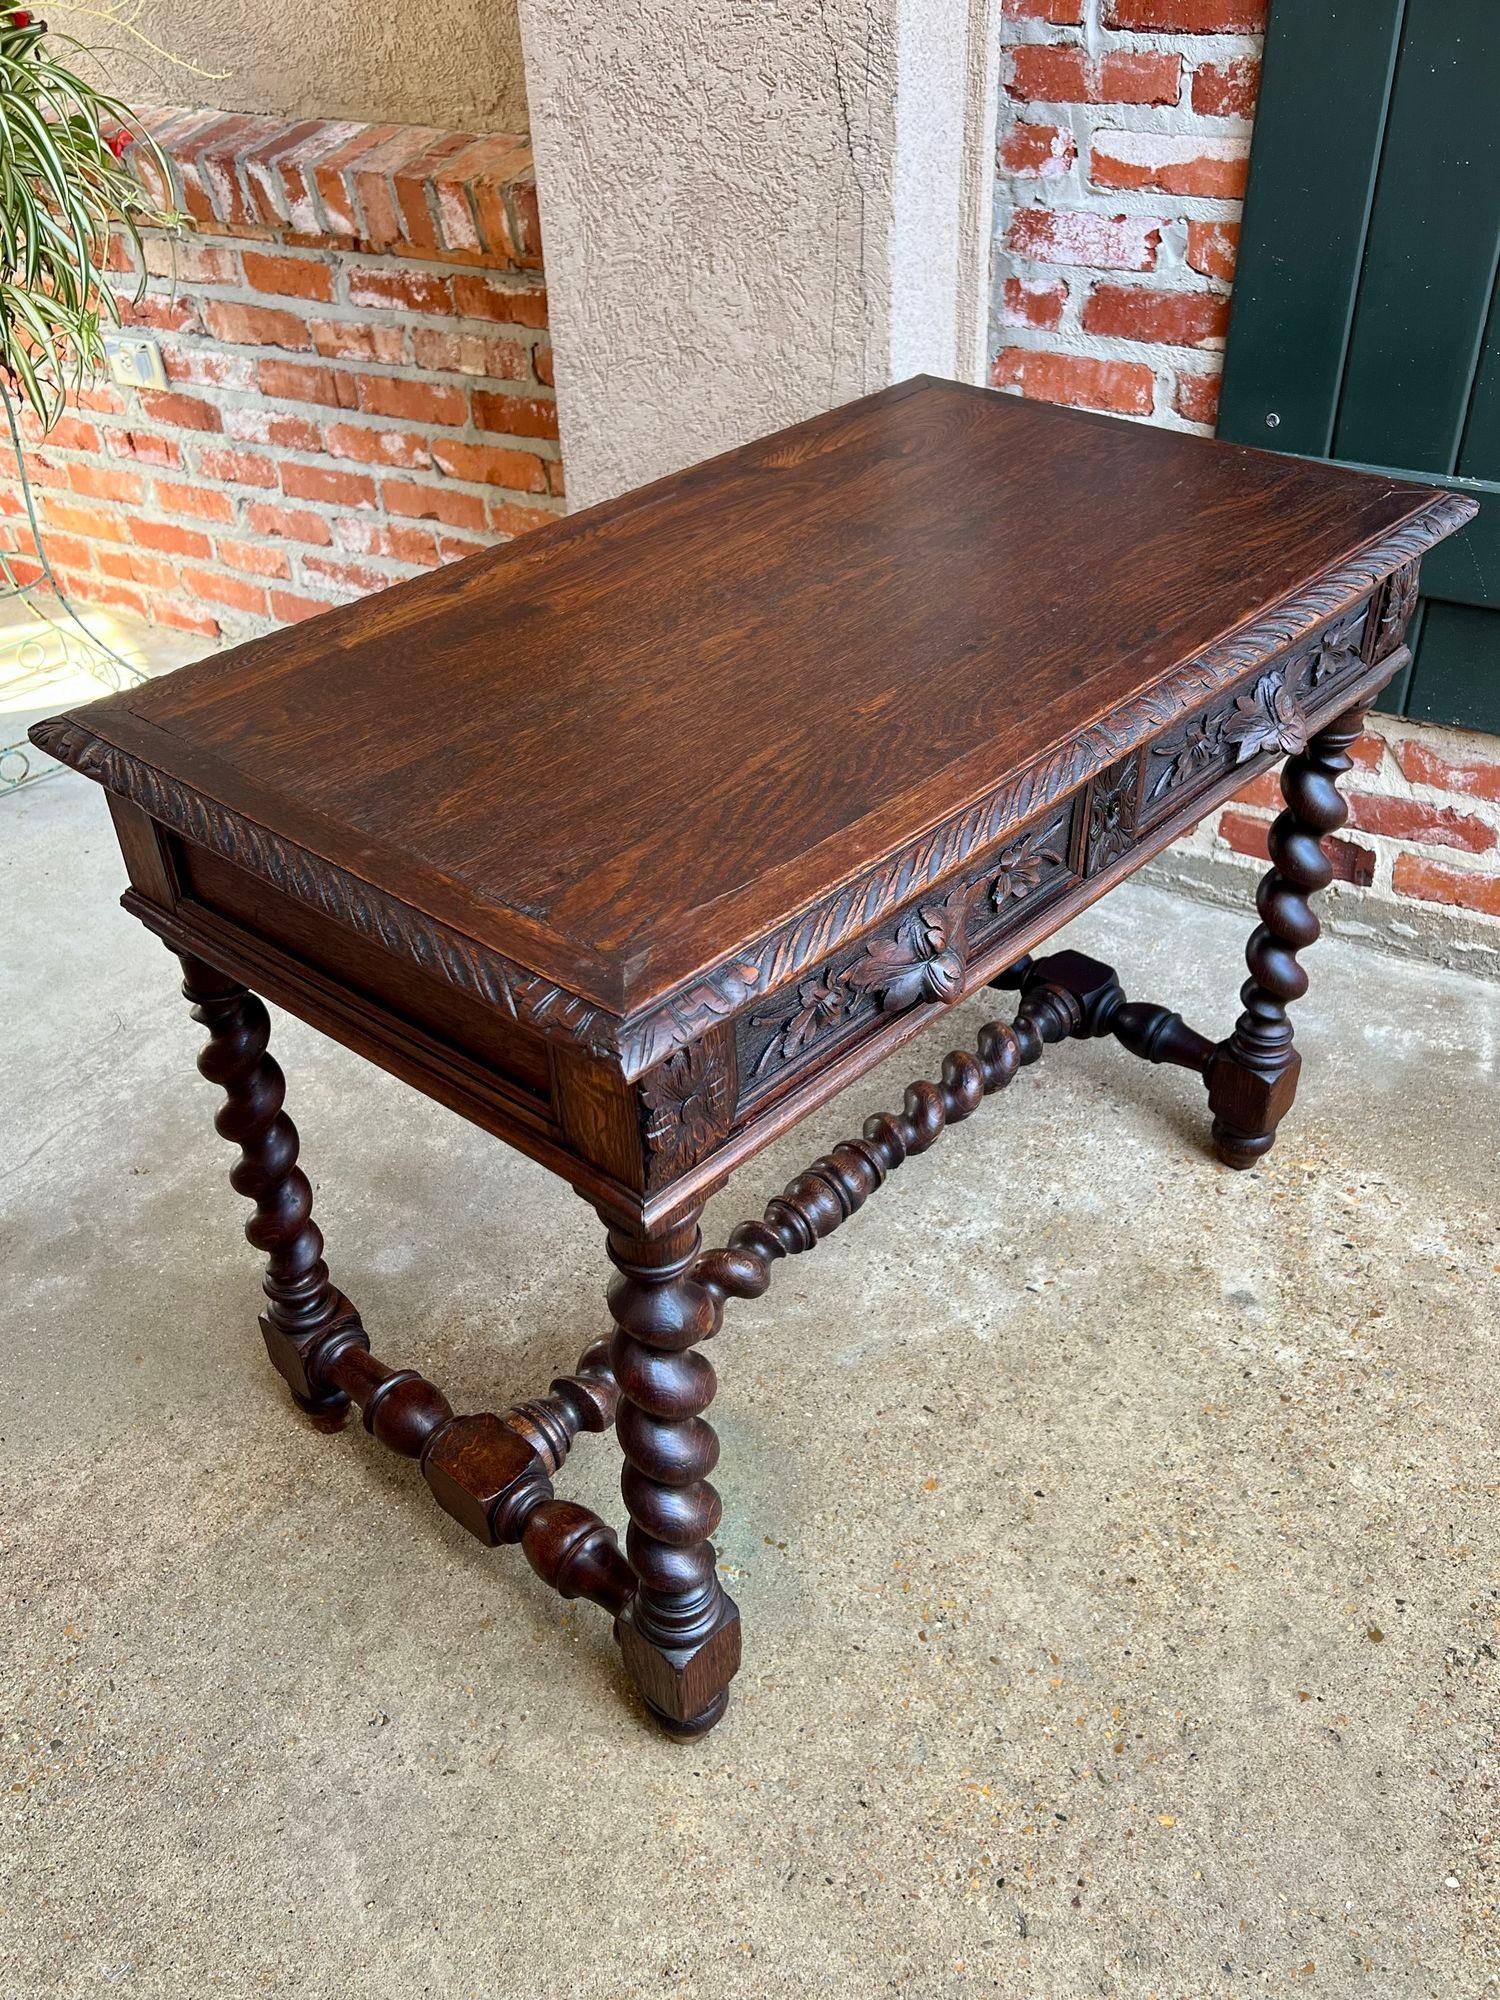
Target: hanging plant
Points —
{"points": [[67, 179]]}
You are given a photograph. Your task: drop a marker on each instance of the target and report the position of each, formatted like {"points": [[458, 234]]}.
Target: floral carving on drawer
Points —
{"points": [[822, 1003], [923, 957], [1270, 717], [1024, 864], [1267, 717], [1338, 653], [923, 961]]}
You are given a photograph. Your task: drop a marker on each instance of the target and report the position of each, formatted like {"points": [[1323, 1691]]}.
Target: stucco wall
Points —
{"points": [[705, 209], [449, 63], [943, 189], [744, 227]]}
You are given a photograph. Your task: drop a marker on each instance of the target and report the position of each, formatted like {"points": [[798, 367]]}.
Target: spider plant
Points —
{"points": [[66, 181]]}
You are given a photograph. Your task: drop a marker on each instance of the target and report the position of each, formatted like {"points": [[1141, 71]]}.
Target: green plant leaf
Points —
{"points": [[63, 191]]}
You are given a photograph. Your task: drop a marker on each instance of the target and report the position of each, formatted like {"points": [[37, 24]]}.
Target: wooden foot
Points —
{"points": [[303, 1307], [689, 1732], [679, 1634], [1252, 1078]]}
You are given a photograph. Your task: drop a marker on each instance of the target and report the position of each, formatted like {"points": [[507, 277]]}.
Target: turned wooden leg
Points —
{"points": [[680, 1634], [303, 1307], [1252, 1078]]}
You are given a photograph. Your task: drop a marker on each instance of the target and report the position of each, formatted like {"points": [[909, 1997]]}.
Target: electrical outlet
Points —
{"points": [[134, 361]]}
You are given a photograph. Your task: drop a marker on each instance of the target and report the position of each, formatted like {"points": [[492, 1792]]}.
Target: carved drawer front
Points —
{"points": [[1269, 714], [922, 956]]}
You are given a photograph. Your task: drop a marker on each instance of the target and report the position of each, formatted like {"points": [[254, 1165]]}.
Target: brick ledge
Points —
{"points": [[465, 196]]}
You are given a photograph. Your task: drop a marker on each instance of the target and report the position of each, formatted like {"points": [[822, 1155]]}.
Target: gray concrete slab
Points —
{"points": [[1116, 1536]]}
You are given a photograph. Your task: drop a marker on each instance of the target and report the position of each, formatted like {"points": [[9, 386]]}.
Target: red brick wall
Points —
{"points": [[1123, 148], [359, 379], [1423, 838], [1123, 145]]}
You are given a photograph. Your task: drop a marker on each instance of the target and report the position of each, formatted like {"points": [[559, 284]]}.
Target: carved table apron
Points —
{"points": [[635, 840]]}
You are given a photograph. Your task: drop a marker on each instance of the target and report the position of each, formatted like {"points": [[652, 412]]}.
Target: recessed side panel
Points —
{"points": [[480, 1032]]}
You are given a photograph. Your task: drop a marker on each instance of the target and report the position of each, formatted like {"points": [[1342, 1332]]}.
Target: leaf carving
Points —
{"points": [[1021, 864], [822, 1002], [1335, 654], [923, 961], [1268, 718], [1199, 750]]}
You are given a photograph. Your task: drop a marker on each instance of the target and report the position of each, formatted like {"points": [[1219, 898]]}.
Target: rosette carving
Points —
{"points": [[687, 1107]]}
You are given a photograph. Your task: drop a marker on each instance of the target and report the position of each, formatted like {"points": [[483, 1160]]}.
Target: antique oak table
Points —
{"points": [[637, 839]]}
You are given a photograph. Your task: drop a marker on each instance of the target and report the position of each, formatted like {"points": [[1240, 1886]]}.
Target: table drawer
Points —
{"points": [[921, 957], [1270, 713]]}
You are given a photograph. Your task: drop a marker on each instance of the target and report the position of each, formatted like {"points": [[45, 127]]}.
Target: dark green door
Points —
{"points": [[1365, 324]]}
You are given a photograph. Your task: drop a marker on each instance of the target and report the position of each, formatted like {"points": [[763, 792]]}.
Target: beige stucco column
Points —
{"points": [[752, 210]]}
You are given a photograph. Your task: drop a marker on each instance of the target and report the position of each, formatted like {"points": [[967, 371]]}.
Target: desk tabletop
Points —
{"points": [[618, 752]]}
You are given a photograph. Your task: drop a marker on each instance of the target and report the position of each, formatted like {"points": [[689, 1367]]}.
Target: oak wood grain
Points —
{"points": [[616, 750]]}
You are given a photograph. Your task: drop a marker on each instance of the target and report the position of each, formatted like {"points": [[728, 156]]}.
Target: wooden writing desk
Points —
{"points": [[637, 839]]}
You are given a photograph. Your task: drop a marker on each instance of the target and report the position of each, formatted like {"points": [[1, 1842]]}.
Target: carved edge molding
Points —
{"points": [[812, 936], [642, 1042], [444, 953]]}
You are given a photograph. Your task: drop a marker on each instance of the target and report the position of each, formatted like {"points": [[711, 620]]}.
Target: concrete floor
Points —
{"points": [[1116, 1536]]}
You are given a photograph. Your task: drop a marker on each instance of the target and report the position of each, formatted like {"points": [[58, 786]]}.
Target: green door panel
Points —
{"points": [[1455, 633], [1429, 271], [1366, 319], [1444, 686], [1480, 447], [1306, 211], [1466, 567]]}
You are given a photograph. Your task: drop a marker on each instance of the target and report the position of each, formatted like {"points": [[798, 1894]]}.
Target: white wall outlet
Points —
{"points": [[134, 361]]}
